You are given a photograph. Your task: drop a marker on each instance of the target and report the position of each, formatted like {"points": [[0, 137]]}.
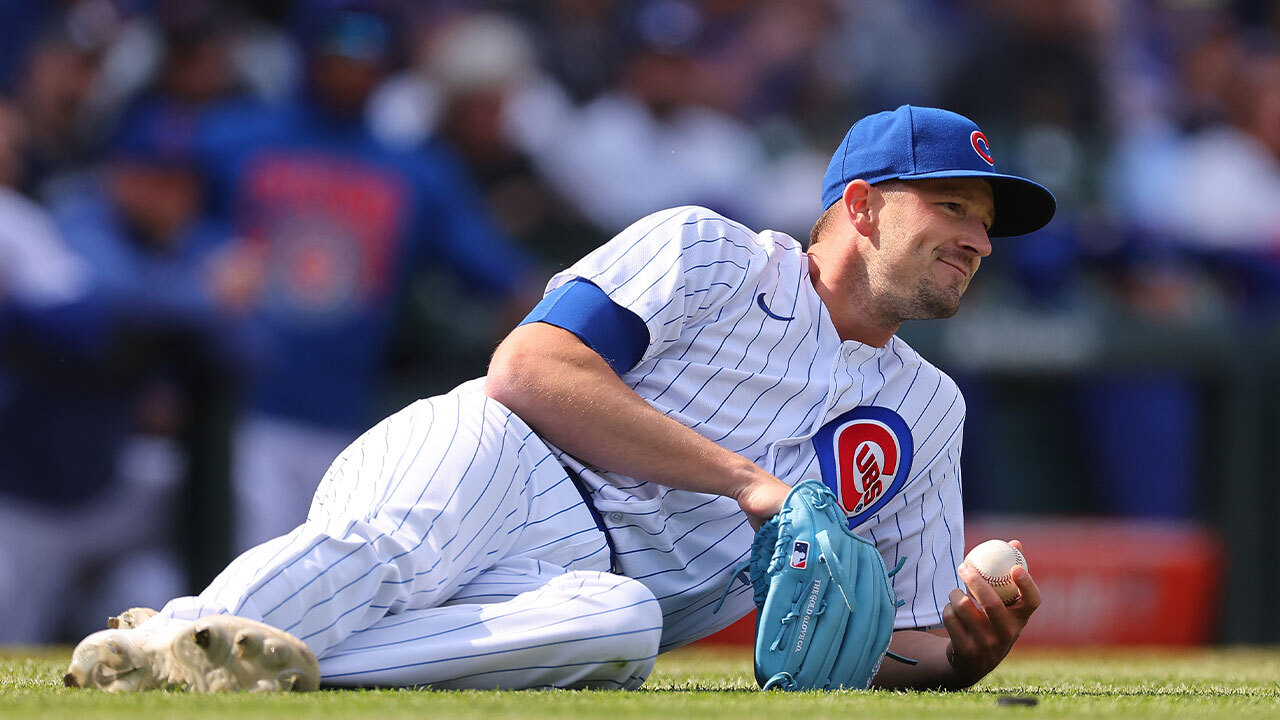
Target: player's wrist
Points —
{"points": [[966, 671], [741, 477], [761, 495]]}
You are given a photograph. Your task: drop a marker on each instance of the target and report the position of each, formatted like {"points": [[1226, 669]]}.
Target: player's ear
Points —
{"points": [[859, 208]]}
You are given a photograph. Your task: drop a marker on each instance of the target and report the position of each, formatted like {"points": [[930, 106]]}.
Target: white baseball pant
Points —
{"points": [[447, 547]]}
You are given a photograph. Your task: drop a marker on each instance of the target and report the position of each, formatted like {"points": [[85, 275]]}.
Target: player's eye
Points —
{"points": [[953, 207]]}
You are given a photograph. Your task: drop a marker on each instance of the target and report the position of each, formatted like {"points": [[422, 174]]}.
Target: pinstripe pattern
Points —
{"points": [[448, 546], [760, 386], [453, 501], [525, 639]]}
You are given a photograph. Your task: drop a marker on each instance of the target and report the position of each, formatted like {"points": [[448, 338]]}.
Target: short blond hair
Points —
{"points": [[820, 226]]}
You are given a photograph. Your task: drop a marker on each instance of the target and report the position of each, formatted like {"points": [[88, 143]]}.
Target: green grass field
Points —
{"points": [[697, 683]]}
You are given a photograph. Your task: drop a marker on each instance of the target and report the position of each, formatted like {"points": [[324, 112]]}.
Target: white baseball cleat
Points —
{"points": [[215, 654], [131, 618]]}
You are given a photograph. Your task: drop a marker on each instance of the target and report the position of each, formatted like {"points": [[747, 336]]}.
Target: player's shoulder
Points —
{"points": [[923, 372], [700, 229], [689, 237], [689, 219]]}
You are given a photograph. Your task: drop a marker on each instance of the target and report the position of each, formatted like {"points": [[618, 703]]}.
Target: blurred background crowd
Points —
{"points": [[235, 234]]}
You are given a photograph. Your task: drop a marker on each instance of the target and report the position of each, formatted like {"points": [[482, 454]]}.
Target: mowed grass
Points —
{"points": [[708, 683]]}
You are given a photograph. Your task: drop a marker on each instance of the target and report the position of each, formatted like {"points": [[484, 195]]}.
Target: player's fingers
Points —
{"points": [[962, 620], [956, 629], [967, 611], [979, 589], [1006, 621], [1029, 592], [1016, 544], [975, 647]]}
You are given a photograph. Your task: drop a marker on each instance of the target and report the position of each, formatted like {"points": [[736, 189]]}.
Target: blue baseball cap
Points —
{"points": [[916, 143]]}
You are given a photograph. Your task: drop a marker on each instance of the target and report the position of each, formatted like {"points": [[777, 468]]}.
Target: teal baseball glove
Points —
{"points": [[825, 603]]}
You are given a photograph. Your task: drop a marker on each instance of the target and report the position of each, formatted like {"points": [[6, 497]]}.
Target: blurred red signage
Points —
{"points": [[1104, 581]]}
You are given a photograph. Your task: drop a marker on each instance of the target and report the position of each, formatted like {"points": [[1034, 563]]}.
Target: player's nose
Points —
{"points": [[976, 240]]}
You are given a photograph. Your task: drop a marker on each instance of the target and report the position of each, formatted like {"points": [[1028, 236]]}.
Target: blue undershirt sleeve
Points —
{"points": [[614, 332]]}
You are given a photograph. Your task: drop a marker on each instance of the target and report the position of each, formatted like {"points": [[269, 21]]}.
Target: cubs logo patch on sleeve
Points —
{"points": [[865, 457]]}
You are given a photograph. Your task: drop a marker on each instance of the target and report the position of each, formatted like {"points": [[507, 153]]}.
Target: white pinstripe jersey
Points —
{"points": [[743, 351]]}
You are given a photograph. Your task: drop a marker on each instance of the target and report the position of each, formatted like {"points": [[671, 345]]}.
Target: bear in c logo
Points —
{"points": [[980, 146], [865, 457]]}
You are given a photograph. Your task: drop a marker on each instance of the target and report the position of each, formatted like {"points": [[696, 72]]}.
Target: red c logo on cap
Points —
{"points": [[979, 142]]}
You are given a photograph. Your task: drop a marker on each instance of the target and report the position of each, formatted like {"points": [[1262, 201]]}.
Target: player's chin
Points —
{"points": [[932, 299], [940, 303], [944, 297]]}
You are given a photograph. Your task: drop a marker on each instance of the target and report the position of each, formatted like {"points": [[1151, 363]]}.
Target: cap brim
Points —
{"points": [[1022, 206]]}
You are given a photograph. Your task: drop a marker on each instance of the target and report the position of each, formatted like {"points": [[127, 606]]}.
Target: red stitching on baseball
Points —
{"points": [[1002, 580]]}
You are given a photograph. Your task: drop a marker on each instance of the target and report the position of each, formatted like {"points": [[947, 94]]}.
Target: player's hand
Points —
{"points": [[982, 628], [762, 499]]}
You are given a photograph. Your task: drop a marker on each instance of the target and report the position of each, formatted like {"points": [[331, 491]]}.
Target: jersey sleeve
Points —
{"points": [[673, 269], [614, 332]]}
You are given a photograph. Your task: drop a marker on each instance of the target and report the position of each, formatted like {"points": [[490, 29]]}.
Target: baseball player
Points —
{"points": [[580, 510]]}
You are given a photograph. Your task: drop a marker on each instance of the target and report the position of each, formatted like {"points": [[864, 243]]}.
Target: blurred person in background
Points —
{"points": [[52, 329], [476, 89], [483, 65], [343, 223], [1042, 82], [761, 63], [577, 41], [21, 24], [197, 52], [1194, 193], [1221, 138], [53, 83], [197, 69], [758, 57], [652, 140], [177, 283], [46, 326], [94, 430]]}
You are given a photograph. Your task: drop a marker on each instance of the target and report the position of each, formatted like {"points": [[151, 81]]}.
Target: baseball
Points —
{"points": [[994, 561]]}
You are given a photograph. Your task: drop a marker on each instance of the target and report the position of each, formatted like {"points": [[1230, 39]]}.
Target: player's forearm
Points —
{"points": [[571, 397], [933, 671]]}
